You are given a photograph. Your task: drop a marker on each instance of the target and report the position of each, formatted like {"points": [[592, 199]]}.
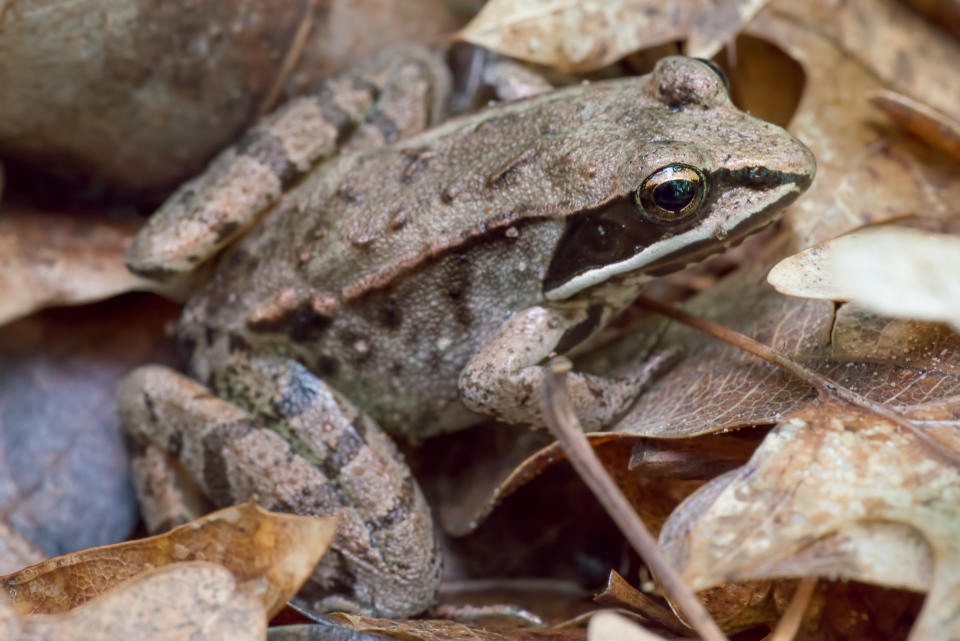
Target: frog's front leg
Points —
{"points": [[504, 379], [302, 449], [397, 94]]}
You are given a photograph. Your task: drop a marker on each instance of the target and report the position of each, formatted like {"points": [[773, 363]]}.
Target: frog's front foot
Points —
{"points": [[297, 446], [505, 378]]}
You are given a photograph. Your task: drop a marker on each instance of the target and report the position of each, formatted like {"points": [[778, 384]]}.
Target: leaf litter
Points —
{"points": [[830, 491]]}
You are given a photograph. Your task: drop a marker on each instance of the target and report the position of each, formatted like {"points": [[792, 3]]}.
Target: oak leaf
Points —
{"points": [[269, 554]]}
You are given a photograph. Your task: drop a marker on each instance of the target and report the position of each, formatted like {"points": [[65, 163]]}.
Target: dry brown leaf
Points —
{"points": [[945, 13], [907, 52], [933, 127], [179, 602], [620, 594], [444, 630], [906, 364], [270, 554], [64, 469], [823, 471], [866, 173], [895, 271], [49, 258], [572, 35]]}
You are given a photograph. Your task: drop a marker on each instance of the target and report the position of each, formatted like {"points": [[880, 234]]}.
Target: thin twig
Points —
{"points": [[559, 416], [789, 623], [290, 60], [822, 384]]}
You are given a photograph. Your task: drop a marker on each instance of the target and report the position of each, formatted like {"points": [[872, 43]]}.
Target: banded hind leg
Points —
{"points": [[296, 445]]}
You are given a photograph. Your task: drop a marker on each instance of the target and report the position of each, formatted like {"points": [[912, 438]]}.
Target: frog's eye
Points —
{"points": [[671, 193]]}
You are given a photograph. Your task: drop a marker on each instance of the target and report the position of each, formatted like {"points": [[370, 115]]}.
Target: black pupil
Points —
{"points": [[674, 195]]}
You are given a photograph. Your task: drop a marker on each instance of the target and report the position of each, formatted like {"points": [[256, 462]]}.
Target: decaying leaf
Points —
{"points": [[866, 173], [269, 554], [906, 364], [894, 271], [444, 630], [933, 127], [49, 258], [821, 473], [903, 49], [174, 603], [572, 35]]}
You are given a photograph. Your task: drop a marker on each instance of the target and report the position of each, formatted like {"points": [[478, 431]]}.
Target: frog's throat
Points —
{"points": [[693, 245]]}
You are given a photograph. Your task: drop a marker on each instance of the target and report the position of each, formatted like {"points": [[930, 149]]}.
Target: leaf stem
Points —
{"points": [[559, 416]]}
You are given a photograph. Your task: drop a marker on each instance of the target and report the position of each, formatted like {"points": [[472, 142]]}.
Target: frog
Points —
{"points": [[415, 283]]}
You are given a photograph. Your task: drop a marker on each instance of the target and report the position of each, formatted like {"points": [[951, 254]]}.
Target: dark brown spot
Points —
{"points": [[215, 480], [269, 151], [342, 454], [581, 331], [392, 317], [400, 509], [387, 127], [507, 173], [225, 229]]}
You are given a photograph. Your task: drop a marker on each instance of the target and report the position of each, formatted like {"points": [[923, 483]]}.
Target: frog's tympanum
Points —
{"points": [[414, 283]]}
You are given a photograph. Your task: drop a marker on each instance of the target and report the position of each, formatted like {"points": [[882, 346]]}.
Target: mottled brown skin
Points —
{"points": [[427, 280]]}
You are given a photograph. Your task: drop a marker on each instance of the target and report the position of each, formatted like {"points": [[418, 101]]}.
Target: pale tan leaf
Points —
{"points": [[610, 626], [175, 603], [829, 471], [270, 554], [866, 174], [572, 35], [49, 258], [896, 271]]}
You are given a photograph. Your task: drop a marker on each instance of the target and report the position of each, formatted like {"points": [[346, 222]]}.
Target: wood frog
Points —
{"points": [[416, 286]]}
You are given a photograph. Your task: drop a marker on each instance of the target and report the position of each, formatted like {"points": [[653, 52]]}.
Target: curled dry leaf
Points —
{"points": [[865, 173], [269, 554], [572, 35], [49, 258], [826, 472], [933, 127], [179, 602], [618, 593], [901, 272]]}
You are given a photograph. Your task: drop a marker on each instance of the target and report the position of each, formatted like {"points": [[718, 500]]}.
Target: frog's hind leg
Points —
{"points": [[209, 212], [297, 447]]}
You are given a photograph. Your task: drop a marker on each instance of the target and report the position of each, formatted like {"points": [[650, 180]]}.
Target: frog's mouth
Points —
{"points": [[712, 235]]}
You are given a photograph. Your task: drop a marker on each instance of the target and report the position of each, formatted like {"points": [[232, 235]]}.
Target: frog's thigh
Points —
{"points": [[504, 379], [384, 560]]}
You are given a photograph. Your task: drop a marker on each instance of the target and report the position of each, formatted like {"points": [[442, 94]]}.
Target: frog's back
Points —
{"points": [[387, 269]]}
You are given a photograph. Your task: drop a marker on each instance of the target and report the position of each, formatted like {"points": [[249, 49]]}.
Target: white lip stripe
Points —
{"points": [[718, 229]]}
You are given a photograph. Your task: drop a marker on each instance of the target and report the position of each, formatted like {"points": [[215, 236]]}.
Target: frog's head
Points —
{"points": [[705, 175]]}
